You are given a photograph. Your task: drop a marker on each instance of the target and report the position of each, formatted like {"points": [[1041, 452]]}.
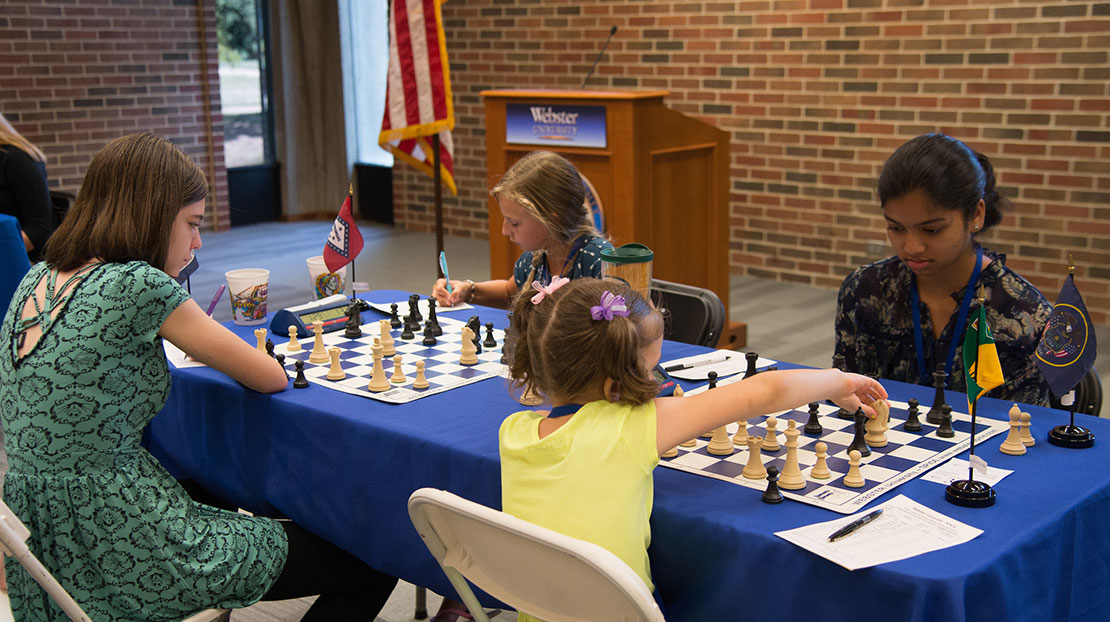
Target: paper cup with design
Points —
{"points": [[324, 283], [248, 288]]}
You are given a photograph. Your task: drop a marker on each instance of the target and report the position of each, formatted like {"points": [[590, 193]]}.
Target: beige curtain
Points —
{"points": [[308, 107]]}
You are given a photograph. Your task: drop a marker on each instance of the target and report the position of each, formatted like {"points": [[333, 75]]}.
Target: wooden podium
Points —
{"points": [[660, 176]]}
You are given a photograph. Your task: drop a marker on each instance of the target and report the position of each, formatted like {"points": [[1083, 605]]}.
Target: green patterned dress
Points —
{"points": [[106, 518]]}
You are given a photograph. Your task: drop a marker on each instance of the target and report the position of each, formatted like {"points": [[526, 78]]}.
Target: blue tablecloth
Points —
{"points": [[343, 466]]}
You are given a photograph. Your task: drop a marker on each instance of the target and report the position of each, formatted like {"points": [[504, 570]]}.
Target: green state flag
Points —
{"points": [[982, 369]]}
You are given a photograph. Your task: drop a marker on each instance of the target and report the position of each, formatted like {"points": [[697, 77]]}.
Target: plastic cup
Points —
{"points": [[322, 282], [632, 264], [248, 288]]}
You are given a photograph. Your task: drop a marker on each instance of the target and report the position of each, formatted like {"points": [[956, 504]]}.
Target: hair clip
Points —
{"points": [[547, 290], [610, 305]]}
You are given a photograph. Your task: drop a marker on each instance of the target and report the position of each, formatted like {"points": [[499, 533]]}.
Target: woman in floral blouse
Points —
{"points": [[937, 195]]}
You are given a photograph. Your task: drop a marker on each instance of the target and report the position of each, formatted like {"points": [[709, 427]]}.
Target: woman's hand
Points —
{"points": [[461, 291]]}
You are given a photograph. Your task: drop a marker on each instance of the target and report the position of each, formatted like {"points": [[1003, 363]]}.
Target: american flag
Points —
{"points": [[418, 91]]}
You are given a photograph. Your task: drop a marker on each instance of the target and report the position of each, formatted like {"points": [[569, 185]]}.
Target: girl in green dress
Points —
{"points": [[83, 371]]}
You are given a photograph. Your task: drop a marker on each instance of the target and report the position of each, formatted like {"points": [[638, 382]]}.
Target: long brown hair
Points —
{"points": [[557, 348], [10, 136], [132, 192]]}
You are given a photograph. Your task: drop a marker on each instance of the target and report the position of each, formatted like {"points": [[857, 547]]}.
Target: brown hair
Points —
{"points": [[132, 192], [557, 348], [10, 136]]}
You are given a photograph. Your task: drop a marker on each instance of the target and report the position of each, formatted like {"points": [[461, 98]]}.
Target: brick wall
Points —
{"points": [[816, 94], [74, 75]]}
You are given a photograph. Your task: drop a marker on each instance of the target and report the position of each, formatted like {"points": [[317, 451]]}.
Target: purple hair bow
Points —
{"points": [[610, 305], [543, 291]]}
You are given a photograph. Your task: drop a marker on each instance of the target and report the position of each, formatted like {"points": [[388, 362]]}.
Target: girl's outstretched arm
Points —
{"points": [[680, 419]]}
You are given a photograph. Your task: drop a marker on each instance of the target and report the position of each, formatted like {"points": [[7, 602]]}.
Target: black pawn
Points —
{"points": [[269, 347], [858, 442], [407, 333], [414, 308], [813, 426], [300, 382], [436, 330], [489, 342], [945, 430], [772, 494], [429, 334], [712, 379], [281, 361], [394, 319], [939, 380], [912, 423], [752, 358]]}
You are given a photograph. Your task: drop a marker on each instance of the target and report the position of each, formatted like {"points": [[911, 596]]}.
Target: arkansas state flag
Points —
{"points": [[344, 241], [1067, 348]]}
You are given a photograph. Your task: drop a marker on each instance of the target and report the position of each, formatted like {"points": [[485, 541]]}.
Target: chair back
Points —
{"points": [[693, 315], [13, 256], [533, 569]]}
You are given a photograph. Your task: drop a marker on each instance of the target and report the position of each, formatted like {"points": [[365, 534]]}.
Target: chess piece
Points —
{"points": [[1026, 431], [940, 379], [269, 347], [394, 319], [853, 478], [821, 469], [429, 334], [771, 441], [530, 397], [300, 382], [741, 436], [751, 357], [408, 333], [754, 469], [489, 341], [719, 445], [319, 353], [813, 426], [772, 494], [469, 354], [475, 326], [294, 345], [859, 442], [281, 361], [875, 427], [670, 453], [353, 328], [335, 372], [378, 381], [388, 347], [792, 473], [421, 382], [436, 330], [260, 336], [414, 308], [712, 375], [398, 376], [1013, 445], [945, 430], [912, 424]]}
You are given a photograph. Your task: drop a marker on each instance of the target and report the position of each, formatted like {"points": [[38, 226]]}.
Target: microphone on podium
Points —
{"points": [[612, 31]]}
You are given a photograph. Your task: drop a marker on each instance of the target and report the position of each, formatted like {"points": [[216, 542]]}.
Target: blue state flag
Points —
{"points": [[1067, 348]]}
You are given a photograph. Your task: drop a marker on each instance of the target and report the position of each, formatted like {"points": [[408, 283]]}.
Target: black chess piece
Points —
{"points": [[300, 382], [945, 430], [394, 319], [429, 334], [436, 330], [489, 342], [269, 347], [772, 494], [475, 326], [912, 424], [752, 357], [407, 333], [281, 361], [858, 442], [813, 426], [940, 379], [414, 308], [352, 329], [712, 379], [844, 413]]}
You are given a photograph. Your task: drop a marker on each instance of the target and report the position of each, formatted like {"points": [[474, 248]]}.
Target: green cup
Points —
{"points": [[632, 264]]}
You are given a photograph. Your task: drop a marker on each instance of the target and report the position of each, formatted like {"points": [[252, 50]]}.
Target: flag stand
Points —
{"points": [[1071, 436], [968, 492]]}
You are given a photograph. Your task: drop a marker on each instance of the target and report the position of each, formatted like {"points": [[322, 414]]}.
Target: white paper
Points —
{"points": [[956, 469], [177, 357], [905, 529], [735, 364]]}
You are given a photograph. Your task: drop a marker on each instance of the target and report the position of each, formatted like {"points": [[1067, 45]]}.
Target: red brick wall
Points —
{"points": [[74, 75], [816, 94]]}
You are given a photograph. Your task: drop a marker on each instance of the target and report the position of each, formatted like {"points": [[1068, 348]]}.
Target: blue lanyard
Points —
{"points": [[577, 246], [961, 319], [564, 410]]}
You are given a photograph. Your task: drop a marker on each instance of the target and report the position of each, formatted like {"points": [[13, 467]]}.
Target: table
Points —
{"points": [[343, 467]]}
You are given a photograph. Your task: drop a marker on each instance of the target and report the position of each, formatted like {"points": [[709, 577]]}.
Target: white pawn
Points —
{"points": [[754, 469], [741, 436], [398, 376], [791, 478], [421, 382], [294, 345], [821, 469], [319, 352], [388, 349], [771, 441], [260, 335], [469, 355], [336, 371], [1013, 445], [1026, 433], [719, 445], [854, 478]]}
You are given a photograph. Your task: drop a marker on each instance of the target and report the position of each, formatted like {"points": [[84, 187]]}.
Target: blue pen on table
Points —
{"points": [[854, 525], [443, 267], [216, 298]]}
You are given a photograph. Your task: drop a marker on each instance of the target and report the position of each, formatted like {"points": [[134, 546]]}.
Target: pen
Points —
{"points": [[854, 525], [679, 366], [216, 298], [443, 267]]}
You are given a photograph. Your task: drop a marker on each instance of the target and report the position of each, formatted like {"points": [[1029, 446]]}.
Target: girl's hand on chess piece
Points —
{"points": [[859, 391]]}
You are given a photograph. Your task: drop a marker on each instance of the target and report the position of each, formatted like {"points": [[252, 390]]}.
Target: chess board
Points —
{"points": [[441, 362], [906, 455]]}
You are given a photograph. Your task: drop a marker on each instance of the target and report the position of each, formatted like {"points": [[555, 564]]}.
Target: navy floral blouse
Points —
{"points": [[874, 328]]}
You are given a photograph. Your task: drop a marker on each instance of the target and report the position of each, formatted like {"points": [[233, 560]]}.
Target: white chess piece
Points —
{"points": [[754, 469], [719, 445], [260, 335], [319, 352], [853, 478], [771, 441], [741, 436], [398, 376], [421, 381], [469, 354], [821, 469], [1013, 445], [1026, 431], [876, 427], [378, 381], [335, 372], [388, 349], [294, 345], [791, 478]]}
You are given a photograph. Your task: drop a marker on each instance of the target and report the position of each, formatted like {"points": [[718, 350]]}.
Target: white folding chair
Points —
{"points": [[13, 542], [534, 569]]}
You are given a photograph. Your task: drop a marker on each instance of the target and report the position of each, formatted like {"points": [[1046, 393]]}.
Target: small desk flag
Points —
{"points": [[345, 240], [1066, 351], [982, 369]]}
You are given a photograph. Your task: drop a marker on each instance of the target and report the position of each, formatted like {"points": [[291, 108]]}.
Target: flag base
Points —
{"points": [[970, 493], [1071, 436]]}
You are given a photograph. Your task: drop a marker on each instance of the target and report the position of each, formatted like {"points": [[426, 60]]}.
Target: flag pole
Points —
{"points": [[351, 197], [438, 199], [975, 378]]}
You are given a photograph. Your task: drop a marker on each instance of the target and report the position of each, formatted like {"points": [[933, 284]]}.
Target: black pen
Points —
{"points": [[680, 366], [854, 525]]}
